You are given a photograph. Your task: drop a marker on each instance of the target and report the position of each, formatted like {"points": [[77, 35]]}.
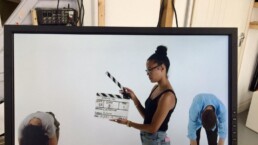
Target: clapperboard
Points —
{"points": [[112, 106]]}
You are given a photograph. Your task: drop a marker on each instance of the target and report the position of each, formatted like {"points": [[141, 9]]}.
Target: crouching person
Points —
{"points": [[39, 128]]}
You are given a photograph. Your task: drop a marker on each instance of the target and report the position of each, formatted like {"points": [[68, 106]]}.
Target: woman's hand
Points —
{"points": [[120, 121], [129, 92]]}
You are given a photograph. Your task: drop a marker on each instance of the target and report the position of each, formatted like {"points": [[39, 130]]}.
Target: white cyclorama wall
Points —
{"points": [[64, 75]]}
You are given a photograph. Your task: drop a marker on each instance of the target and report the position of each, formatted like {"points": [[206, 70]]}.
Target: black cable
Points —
{"points": [[161, 12], [79, 13], [82, 7], [57, 4], [173, 5]]}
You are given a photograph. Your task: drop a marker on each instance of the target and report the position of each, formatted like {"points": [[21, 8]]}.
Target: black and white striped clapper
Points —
{"points": [[114, 80], [110, 95], [125, 95], [112, 106]]}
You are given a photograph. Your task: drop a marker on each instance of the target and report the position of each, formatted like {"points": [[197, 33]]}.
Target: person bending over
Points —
{"points": [[39, 128], [207, 111]]}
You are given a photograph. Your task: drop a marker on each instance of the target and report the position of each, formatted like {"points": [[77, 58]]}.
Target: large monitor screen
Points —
{"points": [[73, 76]]}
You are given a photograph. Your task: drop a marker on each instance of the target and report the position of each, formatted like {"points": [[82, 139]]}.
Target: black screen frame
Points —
{"points": [[10, 30]]}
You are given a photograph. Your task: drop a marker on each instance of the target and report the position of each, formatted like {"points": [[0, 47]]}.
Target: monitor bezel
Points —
{"points": [[11, 30]]}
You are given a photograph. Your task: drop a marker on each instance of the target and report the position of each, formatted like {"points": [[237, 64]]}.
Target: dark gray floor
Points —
{"points": [[246, 136]]}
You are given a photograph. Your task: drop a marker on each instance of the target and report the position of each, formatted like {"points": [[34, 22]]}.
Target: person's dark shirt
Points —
{"points": [[151, 107]]}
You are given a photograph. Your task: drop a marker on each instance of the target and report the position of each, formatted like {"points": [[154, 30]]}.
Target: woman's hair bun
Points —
{"points": [[161, 50]]}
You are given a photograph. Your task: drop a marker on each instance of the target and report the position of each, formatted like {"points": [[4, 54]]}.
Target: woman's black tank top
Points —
{"points": [[151, 107]]}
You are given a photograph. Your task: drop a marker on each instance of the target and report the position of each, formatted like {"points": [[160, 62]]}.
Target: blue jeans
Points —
{"points": [[158, 138]]}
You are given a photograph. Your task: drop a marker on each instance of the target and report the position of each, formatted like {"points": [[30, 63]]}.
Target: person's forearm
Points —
{"points": [[143, 127]]}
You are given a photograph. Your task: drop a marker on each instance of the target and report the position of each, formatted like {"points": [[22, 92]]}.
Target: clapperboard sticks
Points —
{"points": [[125, 95], [109, 95]]}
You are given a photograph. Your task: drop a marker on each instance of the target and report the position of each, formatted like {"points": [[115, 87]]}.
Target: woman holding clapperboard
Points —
{"points": [[159, 105]]}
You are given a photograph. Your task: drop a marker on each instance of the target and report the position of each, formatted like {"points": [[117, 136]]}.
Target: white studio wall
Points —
{"points": [[129, 13], [142, 13], [247, 70]]}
